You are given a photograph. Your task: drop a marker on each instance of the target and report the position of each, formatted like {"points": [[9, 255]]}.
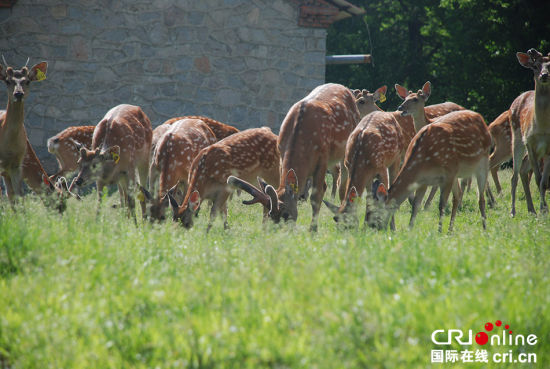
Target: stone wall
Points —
{"points": [[242, 62]]}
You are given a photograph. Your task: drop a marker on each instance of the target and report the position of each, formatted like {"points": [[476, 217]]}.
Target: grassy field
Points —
{"points": [[78, 291]]}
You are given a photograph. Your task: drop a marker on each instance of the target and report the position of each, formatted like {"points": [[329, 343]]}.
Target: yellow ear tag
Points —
{"points": [[141, 196], [382, 98], [40, 76], [116, 157], [294, 187]]}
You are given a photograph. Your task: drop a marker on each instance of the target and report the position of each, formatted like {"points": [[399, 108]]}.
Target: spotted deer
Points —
{"points": [[220, 130], [453, 146], [247, 154], [375, 147], [416, 108], [14, 143], [312, 139], [121, 143], [65, 147], [172, 158], [501, 135], [530, 122]]}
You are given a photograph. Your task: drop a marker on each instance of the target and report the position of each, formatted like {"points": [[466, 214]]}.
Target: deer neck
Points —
{"points": [[12, 125], [420, 119], [542, 105]]}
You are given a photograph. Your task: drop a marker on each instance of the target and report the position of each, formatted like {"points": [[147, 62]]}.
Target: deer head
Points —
{"points": [[347, 212], [280, 205], [413, 102], [185, 213], [94, 164], [18, 80], [538, 63], [380, 213], [366, 101]]}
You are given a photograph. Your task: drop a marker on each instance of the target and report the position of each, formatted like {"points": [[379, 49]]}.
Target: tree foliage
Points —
{"points": [[466, 48]]}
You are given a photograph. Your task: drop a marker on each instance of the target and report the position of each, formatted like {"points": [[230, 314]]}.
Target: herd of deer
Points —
{"points": [[391, 155]]}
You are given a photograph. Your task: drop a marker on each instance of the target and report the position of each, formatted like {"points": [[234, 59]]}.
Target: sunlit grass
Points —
{"points": [[80, 291]]}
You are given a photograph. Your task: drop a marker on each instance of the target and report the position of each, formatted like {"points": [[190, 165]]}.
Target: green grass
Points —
{"points": [[78, 291]]}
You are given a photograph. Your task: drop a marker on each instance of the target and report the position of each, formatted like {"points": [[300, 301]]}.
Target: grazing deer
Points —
{"points": [[312, 139], [65, 147], [120, 145], [417, 109], [453, 146], [172, 158], [246, 154], [501, 135], [530, 121], [375, 147], [13, 137]]}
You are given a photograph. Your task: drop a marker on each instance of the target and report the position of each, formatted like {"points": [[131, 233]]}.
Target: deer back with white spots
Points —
{"points": [[247, 154], [172, 159], [530, 121], [120, 145]]}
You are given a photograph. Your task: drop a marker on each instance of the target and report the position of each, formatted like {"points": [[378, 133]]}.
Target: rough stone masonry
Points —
{"points": [[242, 62]]}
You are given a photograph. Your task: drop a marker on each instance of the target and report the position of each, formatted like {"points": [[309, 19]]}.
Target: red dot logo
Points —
{"points": [[498, 323], [489, 327], [506, 326], [482, 338]]}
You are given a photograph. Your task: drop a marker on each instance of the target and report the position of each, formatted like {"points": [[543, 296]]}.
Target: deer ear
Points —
{"points": [[273, 198], [381, 193], [112, 153], [291, 181], [525, 60], [356, 93], [380, 94], [353, 195], [262, 183], [402, 92], [427, 90], [173, 203], [194, 200], [38, 72], [146, 194]]}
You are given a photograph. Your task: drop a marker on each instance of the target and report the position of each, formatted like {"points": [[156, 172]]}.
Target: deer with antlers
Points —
{"points": [[65, 146], [453, 146], [13, 137], [120, 145], [312, 138], [530, 122], [247, 154], [172, 158]]}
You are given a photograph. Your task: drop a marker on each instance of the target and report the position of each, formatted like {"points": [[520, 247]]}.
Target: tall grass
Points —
{"points": [[87, 291]]}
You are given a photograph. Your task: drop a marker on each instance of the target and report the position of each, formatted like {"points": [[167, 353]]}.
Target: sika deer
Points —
{"points": [[13, 137], [174, 153], [453, 146], [530, 121], [65, 146], [313, 137], [501, 135], [247, 154], [375, 145], [120, 145]]}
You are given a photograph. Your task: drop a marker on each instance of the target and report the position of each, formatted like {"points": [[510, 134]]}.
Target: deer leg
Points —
{"points": [[219, 203], [445, 190], [464, 187], [335, 172], [518, 149], [9, 190], [496, 158], [544, 184], [420, 192], [457, 195], [142, 170], [317, 193], [342, 181], [481, 178], [430, 198], [524, 175]]}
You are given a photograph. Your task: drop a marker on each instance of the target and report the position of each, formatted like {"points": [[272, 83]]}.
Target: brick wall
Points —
{"points": [[243, 62]]}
